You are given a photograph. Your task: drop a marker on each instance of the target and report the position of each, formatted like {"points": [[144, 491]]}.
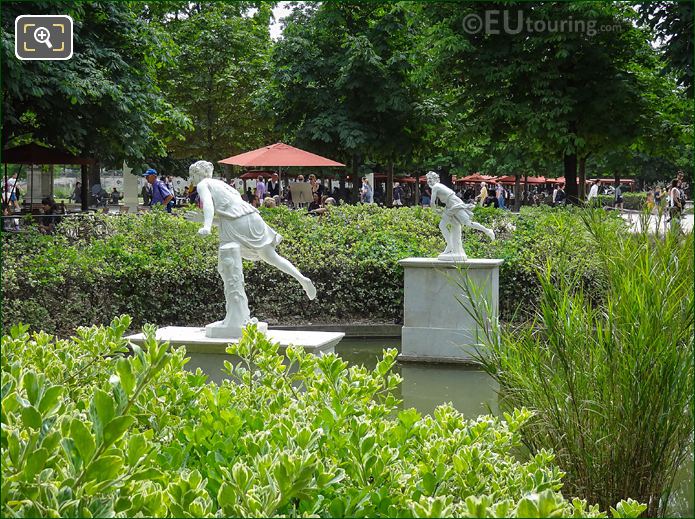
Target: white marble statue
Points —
{"points": [[243, 234], [455, 215]]}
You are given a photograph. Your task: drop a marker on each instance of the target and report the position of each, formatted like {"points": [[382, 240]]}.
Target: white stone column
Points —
{"points": [[436, 325], [131, 189]]}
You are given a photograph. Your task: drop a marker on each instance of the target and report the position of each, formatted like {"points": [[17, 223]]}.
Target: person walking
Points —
{"points": [[160, 192], [397, 195], [675, 206], [618, 202], [593, 193], [77, 193], [501, 195], [559, 195], [260, 188], [366, 193], [483, 194]]}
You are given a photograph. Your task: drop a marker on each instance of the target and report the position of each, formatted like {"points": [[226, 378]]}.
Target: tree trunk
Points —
{"points": [[525, 188], [517, 192], [94, 174], [389, 184], [570, 162], [85, 187], [445, 176], [582, 178]]}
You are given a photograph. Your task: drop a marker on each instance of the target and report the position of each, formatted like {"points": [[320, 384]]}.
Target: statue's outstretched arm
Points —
{"points": [[208, 208]]}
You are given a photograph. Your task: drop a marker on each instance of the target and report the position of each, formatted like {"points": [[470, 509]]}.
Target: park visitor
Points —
{"points": [[674, 201], [115, 196], [260, 188], [559, 195], [366, 192], [49, 219], [160, 192], [618, 202], [11, 191], [593, 192], [397, 195], [314, 204], [316, 186], [8, 223], [483, 193], [76, 195], [193, 195], [650, 200], [274, 185], [146, 193], [501, 195]]}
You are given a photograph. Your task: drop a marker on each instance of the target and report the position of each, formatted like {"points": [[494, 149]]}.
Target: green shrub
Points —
{"points": [[88, 431], [158, 269], [609, 379]]}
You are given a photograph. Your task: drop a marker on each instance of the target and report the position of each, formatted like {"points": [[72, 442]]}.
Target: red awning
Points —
{"points": [[279, 155], [253, 175], [475, 177]]}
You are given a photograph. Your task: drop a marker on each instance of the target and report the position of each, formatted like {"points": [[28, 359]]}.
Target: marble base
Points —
{"points": [[436, 325], [195, 340], [218, 330]]}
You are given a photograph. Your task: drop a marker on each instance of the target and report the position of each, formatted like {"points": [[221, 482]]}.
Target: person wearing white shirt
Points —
{"points": [[593, 192]]}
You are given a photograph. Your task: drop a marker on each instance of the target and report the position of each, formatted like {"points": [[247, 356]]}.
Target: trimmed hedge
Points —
{"points": [[156, 267], [634, 201]]}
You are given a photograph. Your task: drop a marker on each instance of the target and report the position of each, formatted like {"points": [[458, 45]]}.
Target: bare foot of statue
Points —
{"points": [[309, 288], [490, 234]]}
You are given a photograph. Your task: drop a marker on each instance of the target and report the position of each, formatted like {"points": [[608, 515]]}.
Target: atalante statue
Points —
{"points": [[455, 215], [243, 234]]}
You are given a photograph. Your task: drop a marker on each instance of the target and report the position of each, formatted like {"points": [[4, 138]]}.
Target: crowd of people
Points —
{"points": [[670, 199], [160, 190]]}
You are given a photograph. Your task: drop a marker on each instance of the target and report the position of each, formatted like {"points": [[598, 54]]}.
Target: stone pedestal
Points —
{"points": [[39, 185], [196, 341], [436, 326], [131, 189]]}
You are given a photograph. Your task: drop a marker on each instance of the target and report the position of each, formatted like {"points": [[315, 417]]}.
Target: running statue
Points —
{"points": [[243, 234], [455, 215]]}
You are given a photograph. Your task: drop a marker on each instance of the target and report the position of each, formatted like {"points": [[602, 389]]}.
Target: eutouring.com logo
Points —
{"points": [[506, 22]]}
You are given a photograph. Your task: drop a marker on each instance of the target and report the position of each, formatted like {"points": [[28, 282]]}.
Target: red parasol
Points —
{"points": [[279, 155]]}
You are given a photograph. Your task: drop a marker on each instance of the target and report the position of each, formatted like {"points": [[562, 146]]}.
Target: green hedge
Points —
{"points": [[91, 431], [634, 201], [156, 267]]}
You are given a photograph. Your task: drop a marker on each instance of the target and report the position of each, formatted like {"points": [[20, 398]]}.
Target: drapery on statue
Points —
{"points": [[243, 234], [455, 215]]}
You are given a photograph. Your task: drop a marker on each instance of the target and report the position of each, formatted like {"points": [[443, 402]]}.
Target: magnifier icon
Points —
{"points": [[42, 35]]}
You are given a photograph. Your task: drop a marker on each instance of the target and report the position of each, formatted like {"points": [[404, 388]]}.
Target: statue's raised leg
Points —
{"points": [[271, 257]]}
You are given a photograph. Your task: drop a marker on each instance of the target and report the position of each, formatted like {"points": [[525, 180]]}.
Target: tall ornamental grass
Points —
{"points": [[609, 378]]}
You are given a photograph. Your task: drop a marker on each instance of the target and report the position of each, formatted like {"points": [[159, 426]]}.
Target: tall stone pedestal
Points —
{"points": [[436, 326], [131, 189]]}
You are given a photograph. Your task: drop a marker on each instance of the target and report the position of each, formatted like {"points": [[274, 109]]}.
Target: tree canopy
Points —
{"points": [[391, 84]]}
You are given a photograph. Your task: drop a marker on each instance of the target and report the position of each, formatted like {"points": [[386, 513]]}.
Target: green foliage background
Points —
{"points": [[159, 270]]}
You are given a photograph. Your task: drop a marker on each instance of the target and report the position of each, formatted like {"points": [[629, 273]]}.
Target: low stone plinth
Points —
{"points": [[195, 341], [436, 325]]}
